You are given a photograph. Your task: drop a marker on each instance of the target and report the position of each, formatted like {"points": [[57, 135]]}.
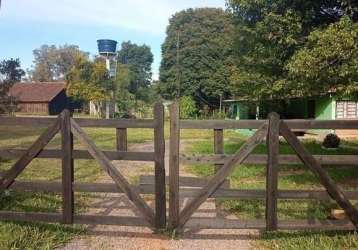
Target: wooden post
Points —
{"points": [[218, 144], [121, 135], [159, 149], [272, 171], [67, 168], [218, 149], [174, 166]]}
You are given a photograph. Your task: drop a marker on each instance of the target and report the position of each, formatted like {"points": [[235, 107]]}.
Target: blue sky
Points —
{"points": [[27, 24]]}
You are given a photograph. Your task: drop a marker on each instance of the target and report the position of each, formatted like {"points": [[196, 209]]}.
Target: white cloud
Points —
{"points": [[142, 15]]}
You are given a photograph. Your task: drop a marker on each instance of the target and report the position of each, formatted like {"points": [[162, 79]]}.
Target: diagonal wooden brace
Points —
{"points": [[107, 165], [222, 174], [10, 176], [333, 190]]}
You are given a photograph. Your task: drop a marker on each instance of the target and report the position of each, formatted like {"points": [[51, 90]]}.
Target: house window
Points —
{"points": [[347, 110]]}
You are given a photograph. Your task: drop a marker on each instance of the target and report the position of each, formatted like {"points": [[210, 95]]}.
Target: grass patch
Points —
{"points": [[290, 177]]}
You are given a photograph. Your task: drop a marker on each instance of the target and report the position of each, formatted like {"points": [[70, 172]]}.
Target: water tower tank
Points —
{"points": [[107, 47]]}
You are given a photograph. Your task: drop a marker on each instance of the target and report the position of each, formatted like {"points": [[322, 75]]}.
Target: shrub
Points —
{"points": [[331, 141], [188, 108]]}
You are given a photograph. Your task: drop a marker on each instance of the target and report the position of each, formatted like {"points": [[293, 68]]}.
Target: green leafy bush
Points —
{"points": [[188, 108]]}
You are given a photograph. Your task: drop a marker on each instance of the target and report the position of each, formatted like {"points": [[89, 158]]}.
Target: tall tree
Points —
{"points": [[138, 59], [52, 63], [268, 34], [89, 81], [329, 60], [10, 73], [197, 55]]}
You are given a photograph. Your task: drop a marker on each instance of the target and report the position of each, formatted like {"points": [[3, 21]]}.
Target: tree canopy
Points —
{"points": [[329, 60], [200, 66], [89, 81], [52, 63], [10, 73], [136, 61], [269, 36]]}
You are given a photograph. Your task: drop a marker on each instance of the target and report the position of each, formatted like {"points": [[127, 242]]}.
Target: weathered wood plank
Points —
{"points": [[221, 223], [273, 146], [10, 154], [255, 124], [67, 168], [186, 124], [222, 174], [78, 219], [174, 144], [160, 182], [184, 181], [107, 165], [258, 159], [121, 138], [111, 220], [56, 187], [102, 123], [322, 175], [29, 155], [31, 217], [218, 145], [315, 225]]}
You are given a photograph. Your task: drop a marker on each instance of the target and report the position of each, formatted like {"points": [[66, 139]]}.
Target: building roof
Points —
{"points": [[37, 92]]}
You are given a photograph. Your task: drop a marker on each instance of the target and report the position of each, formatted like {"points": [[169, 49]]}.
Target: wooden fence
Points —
{"points": [[69, 127], [199, 191], [269, 131]]}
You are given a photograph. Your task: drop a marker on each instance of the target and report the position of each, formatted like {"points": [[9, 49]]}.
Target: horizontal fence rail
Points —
{"points": [[255, 124], [328, 160], [84, 123], [9, 154]]}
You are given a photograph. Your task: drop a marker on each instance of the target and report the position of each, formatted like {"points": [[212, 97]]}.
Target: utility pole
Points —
{"points": [[178, 66]]}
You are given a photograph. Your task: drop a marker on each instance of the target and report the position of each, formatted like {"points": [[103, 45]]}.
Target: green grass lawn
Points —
{"points": [[290, 177]]}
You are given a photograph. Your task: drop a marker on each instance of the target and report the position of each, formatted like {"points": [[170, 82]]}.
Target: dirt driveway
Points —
{"points": [[119, 237]]}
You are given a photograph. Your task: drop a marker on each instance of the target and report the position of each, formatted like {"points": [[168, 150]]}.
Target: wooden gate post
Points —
{"points": [[272, 171], [159, 149], [174, 166], [67, 168], [218, 145], [218, 149], [121, 136]]}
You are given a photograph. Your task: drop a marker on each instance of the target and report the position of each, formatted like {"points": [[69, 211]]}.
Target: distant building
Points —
{"points": [[327, 106], [40, 98]]}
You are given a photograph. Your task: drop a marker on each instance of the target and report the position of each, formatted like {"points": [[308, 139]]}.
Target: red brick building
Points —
{"points": [[40, 98]]}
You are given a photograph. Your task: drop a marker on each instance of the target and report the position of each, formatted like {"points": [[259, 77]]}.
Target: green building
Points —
{"points": [[326, 107]]}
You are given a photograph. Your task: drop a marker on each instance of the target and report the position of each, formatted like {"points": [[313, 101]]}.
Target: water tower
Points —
{"points": [[108, 49]]}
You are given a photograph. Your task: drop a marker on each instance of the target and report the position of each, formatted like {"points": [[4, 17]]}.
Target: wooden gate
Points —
{"points": [[268, 131], [69, 127]]}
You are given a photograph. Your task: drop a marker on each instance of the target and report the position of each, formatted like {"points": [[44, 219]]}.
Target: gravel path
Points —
{"points": [[119, 237]]}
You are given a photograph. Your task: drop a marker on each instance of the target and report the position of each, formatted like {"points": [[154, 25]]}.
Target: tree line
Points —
{"points": [[252, 50], [261, 50], [88, 79]]}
